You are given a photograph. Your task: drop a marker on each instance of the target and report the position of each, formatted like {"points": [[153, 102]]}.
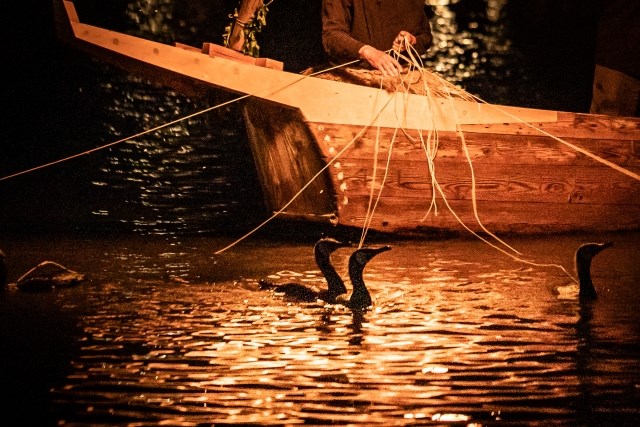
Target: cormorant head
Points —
{"points": [[327, 245], [586, 252], [361, 257]]}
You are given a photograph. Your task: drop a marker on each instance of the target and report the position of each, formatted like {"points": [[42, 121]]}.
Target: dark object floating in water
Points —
{"points": [[48, 275], [299, 292], [3, 270], [360, 298], [584, 255]]}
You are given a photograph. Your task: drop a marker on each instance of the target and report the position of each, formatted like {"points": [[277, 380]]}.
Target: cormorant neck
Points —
{"points": [[360, 297], [584, 255], [587, 290], [334, 281]]}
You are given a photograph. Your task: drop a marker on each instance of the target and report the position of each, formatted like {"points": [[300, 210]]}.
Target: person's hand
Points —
{"points": [[388, 66], [401, 39]]}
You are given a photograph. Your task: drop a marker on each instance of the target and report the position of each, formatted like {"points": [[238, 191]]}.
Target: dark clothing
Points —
{"points": [[616, 80], [347, 25], [618, 42]]}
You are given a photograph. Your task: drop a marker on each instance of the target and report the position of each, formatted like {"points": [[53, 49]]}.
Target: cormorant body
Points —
{"points": [[299, 292]]}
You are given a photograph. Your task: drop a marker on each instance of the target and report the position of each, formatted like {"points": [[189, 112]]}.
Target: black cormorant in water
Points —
{"points": [[299, 292], [584, 255], [584, 290], [360, 298]]}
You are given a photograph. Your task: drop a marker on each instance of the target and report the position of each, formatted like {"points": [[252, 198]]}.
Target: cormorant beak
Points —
{"points": [[599, 247], [375, 251]]}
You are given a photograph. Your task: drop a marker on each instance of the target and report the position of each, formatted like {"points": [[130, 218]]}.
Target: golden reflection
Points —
{"points": [[435, 370], [466, 38], [450, 417], [229, 353]]}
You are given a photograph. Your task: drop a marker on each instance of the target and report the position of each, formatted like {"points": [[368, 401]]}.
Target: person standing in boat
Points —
{"points": [[369, 29], [616, 80]]}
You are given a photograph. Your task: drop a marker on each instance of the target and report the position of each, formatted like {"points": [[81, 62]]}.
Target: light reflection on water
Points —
{"points": [[195, 176], [457, 334]]}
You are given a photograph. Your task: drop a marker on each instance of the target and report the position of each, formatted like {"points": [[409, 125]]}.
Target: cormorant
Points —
{"points": [[299, 292], [584, 291], [360, 298]]}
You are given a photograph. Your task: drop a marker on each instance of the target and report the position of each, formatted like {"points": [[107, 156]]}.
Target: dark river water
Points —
{"points": [[166, 331]]}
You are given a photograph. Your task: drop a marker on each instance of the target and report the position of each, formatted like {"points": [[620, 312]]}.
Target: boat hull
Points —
{"points": [[508, 180]]}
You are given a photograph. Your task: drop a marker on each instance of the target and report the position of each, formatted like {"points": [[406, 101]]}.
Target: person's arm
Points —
{"points": [[246, 13]]}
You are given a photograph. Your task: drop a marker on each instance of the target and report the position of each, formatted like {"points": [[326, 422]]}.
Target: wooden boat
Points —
{"points": [[350, 155]]}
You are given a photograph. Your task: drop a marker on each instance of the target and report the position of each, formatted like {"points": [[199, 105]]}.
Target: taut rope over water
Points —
{"points": [[111, 144], [171, 123]]}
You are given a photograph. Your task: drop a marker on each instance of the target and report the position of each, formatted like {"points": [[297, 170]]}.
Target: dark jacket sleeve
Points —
{"points": [[337, 41], [423, 35], [618, 37]]}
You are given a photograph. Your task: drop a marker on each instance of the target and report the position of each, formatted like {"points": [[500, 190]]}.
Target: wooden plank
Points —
{"points": [[489, 148], [504, 182], [188, 47], [215, 50], [569, 125], [319, 100], [71, 11], [287, 158], [399, 215]]}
